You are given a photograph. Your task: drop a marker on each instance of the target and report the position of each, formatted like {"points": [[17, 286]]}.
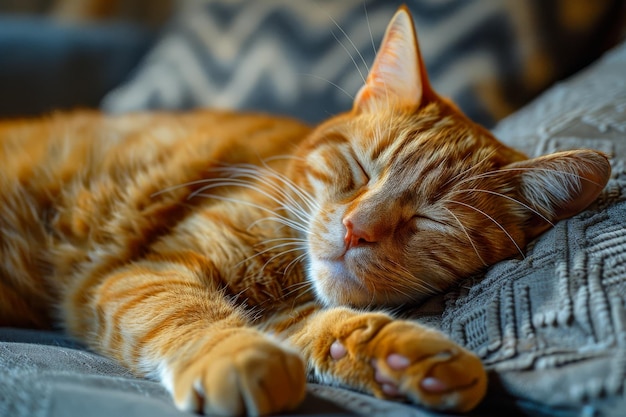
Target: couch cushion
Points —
{"points": [[552, 326], [300, 57]]}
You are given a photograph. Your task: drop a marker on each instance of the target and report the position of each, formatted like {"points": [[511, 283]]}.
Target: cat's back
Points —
{"points": [[53, 165], [74, 183], [89, 140]]}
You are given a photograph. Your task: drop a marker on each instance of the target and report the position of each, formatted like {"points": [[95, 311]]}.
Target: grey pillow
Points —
{"points": [[552, 326], [300, 58]]}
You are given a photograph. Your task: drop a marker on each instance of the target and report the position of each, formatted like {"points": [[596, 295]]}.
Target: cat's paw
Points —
{"points": [[403, 360], [246, 373]]}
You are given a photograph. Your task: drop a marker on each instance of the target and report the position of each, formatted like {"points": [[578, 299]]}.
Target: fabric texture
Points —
{"points": [[551, 327], [308, 58]]}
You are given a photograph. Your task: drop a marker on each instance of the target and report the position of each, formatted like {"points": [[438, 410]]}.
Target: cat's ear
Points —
{"points": [[559, 185], [398, 75]]}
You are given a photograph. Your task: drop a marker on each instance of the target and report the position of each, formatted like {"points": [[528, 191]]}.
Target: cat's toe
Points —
{"points": [[246, 374], [454, 385], [459, 384], [429, 370]]}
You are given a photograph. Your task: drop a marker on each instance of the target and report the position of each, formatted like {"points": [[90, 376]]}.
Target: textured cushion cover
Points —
{"points": [[551, 327]]}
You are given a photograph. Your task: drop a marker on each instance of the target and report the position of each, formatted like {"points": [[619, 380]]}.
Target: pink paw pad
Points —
{"points": [[387, 384], [337, 350], [434, 385], [397, 362]]}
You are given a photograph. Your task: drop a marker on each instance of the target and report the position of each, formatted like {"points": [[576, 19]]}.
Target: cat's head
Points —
{"points": [[412, 196]]}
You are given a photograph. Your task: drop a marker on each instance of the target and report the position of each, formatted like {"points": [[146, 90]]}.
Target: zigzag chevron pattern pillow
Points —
{"points": [[306, 58]]}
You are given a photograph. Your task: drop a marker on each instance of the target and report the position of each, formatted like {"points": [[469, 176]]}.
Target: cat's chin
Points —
{"points": [[335, 285]]}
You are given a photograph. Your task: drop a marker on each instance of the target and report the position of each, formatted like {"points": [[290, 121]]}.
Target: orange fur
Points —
{"points": [[227, 254]]}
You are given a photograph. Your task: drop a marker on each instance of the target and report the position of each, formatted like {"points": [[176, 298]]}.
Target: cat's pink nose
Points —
{"points": [[355, 236]]}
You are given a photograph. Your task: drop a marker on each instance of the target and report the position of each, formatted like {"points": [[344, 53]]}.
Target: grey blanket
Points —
{"points": [[551, 327]]}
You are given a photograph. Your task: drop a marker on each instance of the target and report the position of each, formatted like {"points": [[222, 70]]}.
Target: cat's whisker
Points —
{"points": [[305, 289], [469, 238], [179, 186], [298, 245], [571, 175], [217, 183], [356, 65], [284, 221], [297, 288], [280, 157], [271, 249], [230, 182], [367, 68], [255, 173], [308, 199], [526, 206], [466, 171], [283, 253], [493, 220], [369, 28], [291, 223], [239, 175], [297, 285], [234, 200], [326, 80], [296, 261], [282, 239], [400, 276]]}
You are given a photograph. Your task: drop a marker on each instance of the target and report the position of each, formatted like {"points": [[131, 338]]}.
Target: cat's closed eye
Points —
{"points": [[425, 222], [360, 176]]}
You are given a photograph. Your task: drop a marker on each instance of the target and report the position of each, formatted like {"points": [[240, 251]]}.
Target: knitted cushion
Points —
{"points": [[552, 326]]}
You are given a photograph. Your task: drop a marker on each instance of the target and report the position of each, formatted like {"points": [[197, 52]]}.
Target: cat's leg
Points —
{"points": [[166, 320], [393, 359]]}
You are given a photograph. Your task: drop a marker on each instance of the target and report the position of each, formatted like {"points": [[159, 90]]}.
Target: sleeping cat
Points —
{"points": [[230, 255]]}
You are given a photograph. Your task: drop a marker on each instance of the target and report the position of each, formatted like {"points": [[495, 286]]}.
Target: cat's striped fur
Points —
{"points": [[229, 255]]}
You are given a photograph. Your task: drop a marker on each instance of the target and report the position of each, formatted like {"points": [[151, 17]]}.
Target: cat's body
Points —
{"points": [[216, 251], [86, 192]]}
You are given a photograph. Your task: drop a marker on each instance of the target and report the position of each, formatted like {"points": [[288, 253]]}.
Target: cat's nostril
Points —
{"points": [[355, 236]]}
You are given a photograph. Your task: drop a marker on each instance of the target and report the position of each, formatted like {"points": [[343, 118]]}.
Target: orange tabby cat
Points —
{"points": [[231, 255]]}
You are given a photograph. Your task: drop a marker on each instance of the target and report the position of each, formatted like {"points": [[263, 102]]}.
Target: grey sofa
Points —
{"points": [[551, 326]]}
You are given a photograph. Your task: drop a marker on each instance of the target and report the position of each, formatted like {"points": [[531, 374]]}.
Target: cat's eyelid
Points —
{"points": [[358, 167], [437, 224], [363, 170]]}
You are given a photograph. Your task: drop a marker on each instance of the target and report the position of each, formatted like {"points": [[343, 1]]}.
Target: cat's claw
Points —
{"points": [[431, 370], [245, 374], [412, 363]]}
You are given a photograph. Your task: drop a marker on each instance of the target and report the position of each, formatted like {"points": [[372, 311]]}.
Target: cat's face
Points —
{"points": [[411, 196], [408, 203]]}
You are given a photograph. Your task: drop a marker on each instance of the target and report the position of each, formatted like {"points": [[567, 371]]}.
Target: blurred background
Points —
{"points": [[305, 58]]}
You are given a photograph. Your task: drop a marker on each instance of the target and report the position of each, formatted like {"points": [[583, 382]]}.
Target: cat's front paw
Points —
{"points": [[403, 360], [246, 373]]}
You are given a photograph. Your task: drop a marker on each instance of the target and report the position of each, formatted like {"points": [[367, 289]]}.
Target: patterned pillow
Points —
{"points": [[552, 326], [307, 58]]}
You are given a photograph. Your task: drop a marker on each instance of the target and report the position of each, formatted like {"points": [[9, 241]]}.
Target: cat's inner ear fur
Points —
{"points": [[398, 75], [559, 185]]}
